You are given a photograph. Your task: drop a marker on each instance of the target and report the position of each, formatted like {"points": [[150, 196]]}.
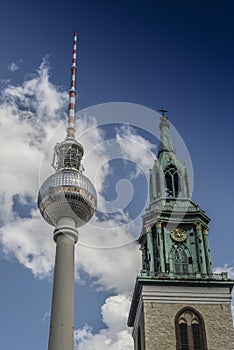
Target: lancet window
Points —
{"points": [[190, 330], [172, 182], [180, 259]]}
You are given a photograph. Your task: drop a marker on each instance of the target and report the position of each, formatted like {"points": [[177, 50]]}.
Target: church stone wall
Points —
{"points": [[160, 328]]}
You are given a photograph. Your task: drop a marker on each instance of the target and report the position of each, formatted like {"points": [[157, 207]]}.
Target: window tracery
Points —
{"points": [[180, 259], [190, 330], [172, 182]]}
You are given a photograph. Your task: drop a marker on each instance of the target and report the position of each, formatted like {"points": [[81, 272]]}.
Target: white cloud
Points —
{"points": [[136, 148], [230, 270], [45, 316], [13, 66], [116, 335], [28, 114], [39, 96], [114, 268], [226, 268], [30, 241], [23, 132]]}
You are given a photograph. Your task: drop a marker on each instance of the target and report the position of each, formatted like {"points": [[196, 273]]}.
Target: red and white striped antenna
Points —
{"points": [[72, 93]]}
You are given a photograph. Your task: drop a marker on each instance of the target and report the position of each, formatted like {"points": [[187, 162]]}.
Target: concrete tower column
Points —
{"points": [[61, 335]]}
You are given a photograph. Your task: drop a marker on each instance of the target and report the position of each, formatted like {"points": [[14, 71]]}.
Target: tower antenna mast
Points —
{"points": [[72, 92]]}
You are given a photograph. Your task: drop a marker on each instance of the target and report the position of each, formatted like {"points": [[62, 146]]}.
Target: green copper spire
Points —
{"points": [[174, 240], [168, 177]]}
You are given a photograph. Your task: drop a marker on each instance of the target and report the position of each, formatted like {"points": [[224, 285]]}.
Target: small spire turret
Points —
{"points": [[168, 177]]}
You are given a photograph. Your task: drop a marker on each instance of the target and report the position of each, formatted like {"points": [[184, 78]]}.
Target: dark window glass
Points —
{"points": [[196, 337], [176, 184], [169, 188], [172, 182], [184, 337]]}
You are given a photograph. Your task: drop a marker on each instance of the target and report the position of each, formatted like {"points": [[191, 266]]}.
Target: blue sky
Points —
{"points": [[178, 54]]}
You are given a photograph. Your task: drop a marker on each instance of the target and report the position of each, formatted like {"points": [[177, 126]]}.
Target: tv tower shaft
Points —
{"points": [[61, 336]]}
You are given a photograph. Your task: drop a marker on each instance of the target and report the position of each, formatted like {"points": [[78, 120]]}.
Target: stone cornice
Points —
{"points": [[179, 291]]}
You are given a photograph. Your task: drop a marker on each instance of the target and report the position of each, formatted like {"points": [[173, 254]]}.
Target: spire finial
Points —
{"points": [[72, 93], [163, 111], [166, 144]]}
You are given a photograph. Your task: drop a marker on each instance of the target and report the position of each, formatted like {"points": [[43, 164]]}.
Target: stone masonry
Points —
{"points": [[160, 329]]}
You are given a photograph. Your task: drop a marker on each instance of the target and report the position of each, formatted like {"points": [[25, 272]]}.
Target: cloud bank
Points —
{"points": [[115, 336]]}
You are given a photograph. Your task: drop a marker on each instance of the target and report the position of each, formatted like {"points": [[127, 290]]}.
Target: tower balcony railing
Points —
{"points": [[223, 276]]}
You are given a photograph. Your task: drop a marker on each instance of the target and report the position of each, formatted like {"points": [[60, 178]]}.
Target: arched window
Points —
{"points": [[179, 260], [190, 330], [172, 182]]}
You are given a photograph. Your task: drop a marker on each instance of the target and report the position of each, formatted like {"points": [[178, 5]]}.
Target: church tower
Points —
{"points": [[178, 302]]}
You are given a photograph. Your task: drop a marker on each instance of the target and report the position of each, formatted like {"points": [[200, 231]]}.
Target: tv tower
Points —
{"points": [[66, 200]]}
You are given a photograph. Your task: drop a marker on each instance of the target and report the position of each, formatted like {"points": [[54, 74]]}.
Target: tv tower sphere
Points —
{"points": [[67, 192]]}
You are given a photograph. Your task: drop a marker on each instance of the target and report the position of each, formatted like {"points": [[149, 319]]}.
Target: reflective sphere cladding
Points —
{"points": [[67, 193]]}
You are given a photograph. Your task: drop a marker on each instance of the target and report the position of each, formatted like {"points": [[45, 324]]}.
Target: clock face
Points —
{"points": [[178, 235]]}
